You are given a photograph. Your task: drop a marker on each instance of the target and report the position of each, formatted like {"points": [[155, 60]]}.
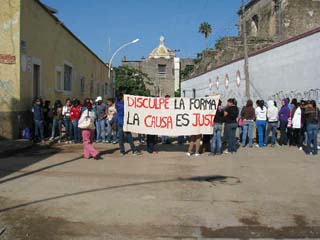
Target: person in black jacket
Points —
{"points": [[38, 119], [216, 142], [230, 117]]}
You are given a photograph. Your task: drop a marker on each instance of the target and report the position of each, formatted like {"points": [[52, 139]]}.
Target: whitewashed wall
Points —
{"points": [[291, 70]]}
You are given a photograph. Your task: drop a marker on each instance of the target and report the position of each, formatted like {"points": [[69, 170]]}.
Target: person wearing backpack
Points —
{"points": [[312, 121], [86, 123]]}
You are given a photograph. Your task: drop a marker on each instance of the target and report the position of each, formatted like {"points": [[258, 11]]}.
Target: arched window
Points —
{"points": [[254, 26]]}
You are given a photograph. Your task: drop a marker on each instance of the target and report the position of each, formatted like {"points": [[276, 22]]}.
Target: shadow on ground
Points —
{"points": [[228, 180], [20, 160]]}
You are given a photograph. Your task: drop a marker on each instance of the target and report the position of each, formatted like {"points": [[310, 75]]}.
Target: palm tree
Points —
{"points": [[205, 29]]}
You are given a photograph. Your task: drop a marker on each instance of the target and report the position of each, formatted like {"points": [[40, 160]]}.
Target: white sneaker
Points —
{"points": [[300, 148], [50, 139], [226, 152], [197, 154], [188, 154], [59, 141]]}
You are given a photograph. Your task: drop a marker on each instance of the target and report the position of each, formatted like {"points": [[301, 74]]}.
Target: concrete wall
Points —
{"points": [[40, 39], [9, 73], [290, 70], [52, 46]]}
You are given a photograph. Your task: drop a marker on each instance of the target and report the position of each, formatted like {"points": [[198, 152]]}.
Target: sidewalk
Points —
{"points": [[8, 147]]}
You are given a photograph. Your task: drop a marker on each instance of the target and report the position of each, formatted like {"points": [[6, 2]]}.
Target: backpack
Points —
{"points": [[26, 133]]}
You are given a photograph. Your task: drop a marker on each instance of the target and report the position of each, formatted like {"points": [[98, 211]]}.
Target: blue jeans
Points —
{"points": [[231, 129], [38, 130], [141, 138], [181, 140], [56, 124], [312, 130], [111, 133], [101, 130], [76, 131], [272, 127], [261, 125], [129, 137], [151, 142], [216, 142], [68, 126], [165, 139], [247, 131]]}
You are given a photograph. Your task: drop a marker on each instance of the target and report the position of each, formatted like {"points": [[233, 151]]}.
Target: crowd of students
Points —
{"points": [[294, 124]]}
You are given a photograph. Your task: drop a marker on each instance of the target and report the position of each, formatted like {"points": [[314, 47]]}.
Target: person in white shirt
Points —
{"points": [[111, 124], [261, 120], [272, 115], [66, 120], [296, 124]]}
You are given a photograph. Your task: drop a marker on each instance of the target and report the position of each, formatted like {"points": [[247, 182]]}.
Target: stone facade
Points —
{"points": [[280, 19], [39, 56], [163, 68], [267, 22]]}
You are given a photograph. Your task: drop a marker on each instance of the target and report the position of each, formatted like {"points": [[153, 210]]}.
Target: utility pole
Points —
{"points": [[245, 43]]}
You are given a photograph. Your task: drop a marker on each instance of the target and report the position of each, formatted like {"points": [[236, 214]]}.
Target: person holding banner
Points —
{"points": [[230, 116], [194, 141], [119, 120], [216, 141]]}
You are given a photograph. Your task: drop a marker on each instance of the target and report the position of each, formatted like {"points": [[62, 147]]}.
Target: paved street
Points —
{"points": [[53, 193]]}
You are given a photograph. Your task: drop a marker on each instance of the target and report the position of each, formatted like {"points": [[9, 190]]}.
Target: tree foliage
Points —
{"points": [[205, 29], [132, 81]]}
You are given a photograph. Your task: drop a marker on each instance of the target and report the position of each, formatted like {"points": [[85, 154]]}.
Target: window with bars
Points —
{"points": [[67, 83], [91, 87], [82, 84]]}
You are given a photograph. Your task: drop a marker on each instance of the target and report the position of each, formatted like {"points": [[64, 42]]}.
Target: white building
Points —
{"points": [[287, 69]]}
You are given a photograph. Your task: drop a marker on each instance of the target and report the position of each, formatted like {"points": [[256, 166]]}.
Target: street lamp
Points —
{"points": [[118, 50]]}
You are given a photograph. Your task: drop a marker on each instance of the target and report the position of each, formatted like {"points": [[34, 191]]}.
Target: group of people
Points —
{"points": [[84, 122], [298, 123], [102, 122]]}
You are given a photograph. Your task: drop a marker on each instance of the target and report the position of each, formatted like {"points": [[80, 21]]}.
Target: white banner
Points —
{"points": [[169, 116]]}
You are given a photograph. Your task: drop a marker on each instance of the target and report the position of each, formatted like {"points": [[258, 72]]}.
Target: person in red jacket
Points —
{"points": [[75, 114]]}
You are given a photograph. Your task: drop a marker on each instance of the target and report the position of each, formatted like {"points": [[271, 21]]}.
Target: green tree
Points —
{"points": [[177, 93], [205, 29], [132, 81]]}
